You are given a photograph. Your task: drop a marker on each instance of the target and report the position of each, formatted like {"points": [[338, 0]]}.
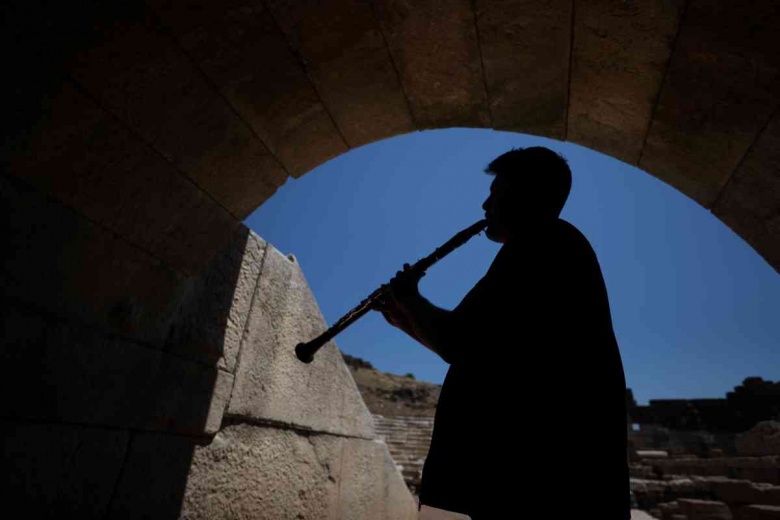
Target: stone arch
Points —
{"points": [[232, 98], [137, 137]]}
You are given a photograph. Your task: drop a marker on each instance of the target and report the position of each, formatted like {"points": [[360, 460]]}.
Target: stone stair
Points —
{"points": [[408, 439], [724, 488]]}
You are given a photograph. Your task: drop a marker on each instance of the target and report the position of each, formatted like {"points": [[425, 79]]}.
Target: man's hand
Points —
{"points": [[403, 307], [401, 295]]}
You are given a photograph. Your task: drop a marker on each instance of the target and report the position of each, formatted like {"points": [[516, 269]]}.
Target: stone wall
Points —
{"points": [[754, 400], [691, 488], [134, 391]]}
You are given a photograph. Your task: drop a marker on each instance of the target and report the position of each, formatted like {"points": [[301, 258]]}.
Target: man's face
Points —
{"points": [[497, 211]]}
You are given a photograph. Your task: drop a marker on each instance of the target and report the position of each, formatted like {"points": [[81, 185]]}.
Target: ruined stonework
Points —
{"points": [[762, 439], [752, 401], [218, 419]]}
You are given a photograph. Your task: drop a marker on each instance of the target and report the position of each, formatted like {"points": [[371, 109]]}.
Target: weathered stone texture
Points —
{"points": [[137, 72], [757, 512], [371, 486], [271, 383], [84, 157], [741, 492], [345, 55], [525, 50], [756, 469], [762, 439], [619, 58], [266, 473], [426, 40], [154, 477], [58, 471], [215, 306], [57, 260], [704, 509], [722, 86], [61, 372], [734, 491], [239, 47], [750, 202]]}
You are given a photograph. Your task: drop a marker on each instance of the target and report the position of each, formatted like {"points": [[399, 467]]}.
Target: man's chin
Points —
{"points": [[494, 235]]}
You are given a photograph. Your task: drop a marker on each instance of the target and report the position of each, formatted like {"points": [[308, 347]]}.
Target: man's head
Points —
{"points": [[531, 185]]}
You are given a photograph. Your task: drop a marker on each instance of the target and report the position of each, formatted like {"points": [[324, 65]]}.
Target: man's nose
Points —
{"points": [[485, 204]]}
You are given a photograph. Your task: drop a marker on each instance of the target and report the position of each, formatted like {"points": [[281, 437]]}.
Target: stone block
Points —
{"points": [[59, 261], [259, 473], [58, 470], [371, 485], [748, 203], [215, 306], [137, 72], [762, 439], [228, 40], [268, 473], [733, 491], [757, 512], [80, 154], [344, 53], [424, 42], [704, 509], [652, 454], [619, 58], [154, 478], [271, 383], [765, 475], [525, 51], [720, 90], [64, 372], [669, 510], [637, 514], [767, 495]]}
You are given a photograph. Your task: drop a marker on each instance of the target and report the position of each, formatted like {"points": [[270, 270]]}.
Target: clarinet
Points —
{"points": [[305, 351]]}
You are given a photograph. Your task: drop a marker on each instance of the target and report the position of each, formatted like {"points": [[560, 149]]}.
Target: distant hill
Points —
{"points": [[393, 395]]}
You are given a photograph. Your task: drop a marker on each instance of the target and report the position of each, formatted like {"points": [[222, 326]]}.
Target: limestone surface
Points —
{"points": [[87, 159], [271, 383], [704, 509], [762, 439], [57, 260], [138, 72], [365, 97], [424, 40], [287, 114], [57, 470], [267, 473], [59, 371], [214, 309]]}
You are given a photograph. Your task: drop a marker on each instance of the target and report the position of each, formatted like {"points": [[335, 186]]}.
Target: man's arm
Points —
{"points": [[428, 324]]}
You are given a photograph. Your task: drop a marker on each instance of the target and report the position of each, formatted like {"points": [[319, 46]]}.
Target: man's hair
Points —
{"points": [[541, 171]]}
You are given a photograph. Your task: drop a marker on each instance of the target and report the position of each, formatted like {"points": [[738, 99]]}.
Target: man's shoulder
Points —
{"points": [[556, 234], [559, 246], [567, 230], [569, 238]]}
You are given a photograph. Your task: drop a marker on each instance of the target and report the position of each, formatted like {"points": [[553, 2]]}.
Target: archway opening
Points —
{"points": [[691, 301]]}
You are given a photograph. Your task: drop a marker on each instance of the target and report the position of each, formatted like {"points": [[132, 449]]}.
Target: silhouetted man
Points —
{"points": [[531, 420]]}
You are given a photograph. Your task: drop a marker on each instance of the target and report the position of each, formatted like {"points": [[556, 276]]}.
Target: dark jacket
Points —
{"points": [[533, 407]]}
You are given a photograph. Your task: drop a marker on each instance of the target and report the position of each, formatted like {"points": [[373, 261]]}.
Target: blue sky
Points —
{"points": [[694, 308]]}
